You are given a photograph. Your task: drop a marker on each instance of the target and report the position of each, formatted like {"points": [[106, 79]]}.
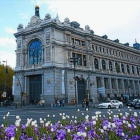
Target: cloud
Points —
{"points": [[10, 30], [118, 19], [24, 15], [7, 56], [6, 42]]}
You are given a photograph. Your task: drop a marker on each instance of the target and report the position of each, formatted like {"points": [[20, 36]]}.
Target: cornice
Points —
{"points": [[76, 31], [114, 44]]}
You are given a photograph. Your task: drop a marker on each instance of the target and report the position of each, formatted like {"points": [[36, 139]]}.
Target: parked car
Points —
{"points": [[7, 103], [111, 104], [131, 102], [137, 104]]}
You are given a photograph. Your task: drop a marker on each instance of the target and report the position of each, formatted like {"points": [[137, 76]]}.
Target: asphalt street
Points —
{"points": [[37, 112]]}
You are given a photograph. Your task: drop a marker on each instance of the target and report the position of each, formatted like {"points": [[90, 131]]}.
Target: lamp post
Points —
{"points": [[20, 90], [74, 60], [6, 71]]}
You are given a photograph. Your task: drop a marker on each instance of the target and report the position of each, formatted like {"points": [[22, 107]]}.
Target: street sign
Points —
{"points": [[4, 94], [101, 90]]}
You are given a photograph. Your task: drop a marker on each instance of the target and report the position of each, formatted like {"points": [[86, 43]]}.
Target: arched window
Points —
{"points": [[133, 70], [122, 66], [103, 65], [35, 52], [117, 67], [128, 69], [138, 70], [96, 63], [110, 66]]}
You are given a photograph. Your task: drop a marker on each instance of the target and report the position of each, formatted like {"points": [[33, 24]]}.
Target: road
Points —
{"points": [[36, 112]]}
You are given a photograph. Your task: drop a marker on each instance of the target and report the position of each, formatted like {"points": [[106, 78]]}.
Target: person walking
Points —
{"points": [[87, 104], [23, 103], [63, 102], [60, 102]]}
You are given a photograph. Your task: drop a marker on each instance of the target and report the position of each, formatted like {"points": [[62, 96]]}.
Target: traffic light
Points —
{"points": [[6, 71], [77, 78]]}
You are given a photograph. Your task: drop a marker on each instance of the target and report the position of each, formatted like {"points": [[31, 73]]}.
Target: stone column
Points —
{"points": [[113, 65], [26, 57], [138, 86], [102, 82], [123, 88], [93, 66], [100, 64], [130, 69], [120, 68], [135, 70], [116, 82], [134, 88], [110, 85], [107, 65]]}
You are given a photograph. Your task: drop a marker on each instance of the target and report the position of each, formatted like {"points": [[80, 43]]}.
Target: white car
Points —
{"points": [[111, 104]]}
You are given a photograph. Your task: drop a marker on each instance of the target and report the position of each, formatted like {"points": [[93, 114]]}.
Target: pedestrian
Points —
{"points": [[60, 102], [63, 102], [87, 104], [56, 102], [23, 103]]}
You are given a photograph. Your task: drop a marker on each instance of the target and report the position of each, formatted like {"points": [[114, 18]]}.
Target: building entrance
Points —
{"points": [[81, 91], [35, 88]]}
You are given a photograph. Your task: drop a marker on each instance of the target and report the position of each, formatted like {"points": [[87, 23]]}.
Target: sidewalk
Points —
{"points": [[49, 107]]}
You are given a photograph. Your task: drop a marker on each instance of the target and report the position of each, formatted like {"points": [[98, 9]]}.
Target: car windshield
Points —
{"points": [[135, 100], [107, 102]]}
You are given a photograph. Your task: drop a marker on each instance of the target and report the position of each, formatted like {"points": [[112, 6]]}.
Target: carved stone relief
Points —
{"points": [[68, 55], [48, 38], [19, 43], [18, 59], [47, 17], [90, 61], [48, 53], [34, 22], [87, 28], [68, 38], [67, 21]]}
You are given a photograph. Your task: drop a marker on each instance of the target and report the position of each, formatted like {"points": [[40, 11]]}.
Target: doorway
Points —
{"points": [[35, 88], [81, 91]]}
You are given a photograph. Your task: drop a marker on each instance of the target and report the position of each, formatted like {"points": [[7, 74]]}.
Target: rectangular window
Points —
{"points": [[79, 59], [83, 43], [73, 40], [95, 48], [113, 83], [136, 85], [100, 49], [98, 82], [119, 84], [73, 55], [103, 50], [77, 42], [106, 83], [106, 50], [84, 60]]}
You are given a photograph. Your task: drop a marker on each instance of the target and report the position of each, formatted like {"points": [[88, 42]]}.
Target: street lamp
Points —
{"points": [[74, 60], [6, 72]]}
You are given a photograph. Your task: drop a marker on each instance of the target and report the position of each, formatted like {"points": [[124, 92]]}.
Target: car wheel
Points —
{"points": [[120, 106], [135, 107], [109, 106]]}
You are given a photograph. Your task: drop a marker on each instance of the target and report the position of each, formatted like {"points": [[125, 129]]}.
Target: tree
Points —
{"points": [[9, 80]]}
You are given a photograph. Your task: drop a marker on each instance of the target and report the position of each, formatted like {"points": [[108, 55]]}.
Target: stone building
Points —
{"points": [[44, 68]]}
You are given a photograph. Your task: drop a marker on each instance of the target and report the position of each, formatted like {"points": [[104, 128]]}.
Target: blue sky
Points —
{"points": [[115, 18]]}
